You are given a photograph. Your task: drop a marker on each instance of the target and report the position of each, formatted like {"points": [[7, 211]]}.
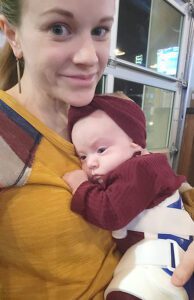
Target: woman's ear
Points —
{"points": [[11, 33]]}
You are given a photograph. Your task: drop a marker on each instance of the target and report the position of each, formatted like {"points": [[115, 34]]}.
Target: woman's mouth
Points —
{"points": [[81, 80]]}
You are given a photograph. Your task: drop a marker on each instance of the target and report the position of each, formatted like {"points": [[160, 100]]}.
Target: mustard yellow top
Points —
{"points": [[46, 251]]}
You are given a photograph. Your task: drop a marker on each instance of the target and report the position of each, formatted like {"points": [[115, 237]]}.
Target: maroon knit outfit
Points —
{"points": [[139, 183]]}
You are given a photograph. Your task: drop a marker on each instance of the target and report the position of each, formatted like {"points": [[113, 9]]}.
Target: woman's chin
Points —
{"points": [[81, 98]]}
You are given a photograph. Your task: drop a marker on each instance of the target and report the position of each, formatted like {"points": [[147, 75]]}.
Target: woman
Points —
{"points": [[46, 251]]}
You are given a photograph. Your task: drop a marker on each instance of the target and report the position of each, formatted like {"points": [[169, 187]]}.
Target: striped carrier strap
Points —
{"points": [[18, 144], [160, 219], [146, 268], [135, 275]]}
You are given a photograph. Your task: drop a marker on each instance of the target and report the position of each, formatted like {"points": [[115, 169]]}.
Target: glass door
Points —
{"points": [[147, 62], [149, 34], [157, 104]]}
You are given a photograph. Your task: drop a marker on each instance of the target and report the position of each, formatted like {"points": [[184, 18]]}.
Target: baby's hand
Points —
{"points": [[75, 178]]}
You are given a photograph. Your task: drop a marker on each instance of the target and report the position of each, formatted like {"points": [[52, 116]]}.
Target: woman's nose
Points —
{"points": [[86, 54]]}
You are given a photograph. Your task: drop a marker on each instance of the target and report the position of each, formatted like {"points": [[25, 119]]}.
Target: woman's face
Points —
{"points": [[65, 45]]}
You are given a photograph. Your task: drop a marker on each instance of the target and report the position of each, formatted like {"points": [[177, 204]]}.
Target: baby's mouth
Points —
{"points": [[97, 178]]}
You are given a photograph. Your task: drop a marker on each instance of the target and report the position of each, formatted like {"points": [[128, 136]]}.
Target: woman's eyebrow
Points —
{"points": [[66, 13], [58, 11], [107, 19]]}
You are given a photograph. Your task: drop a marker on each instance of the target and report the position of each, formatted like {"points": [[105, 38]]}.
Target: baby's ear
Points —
{"points": [[136, 147]]}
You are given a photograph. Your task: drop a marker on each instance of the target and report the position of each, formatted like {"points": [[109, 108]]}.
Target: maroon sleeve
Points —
{"points": [[139, 183]]}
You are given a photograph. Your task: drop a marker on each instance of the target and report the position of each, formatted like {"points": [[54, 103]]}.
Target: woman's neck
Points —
{"points": [[51, 112]]}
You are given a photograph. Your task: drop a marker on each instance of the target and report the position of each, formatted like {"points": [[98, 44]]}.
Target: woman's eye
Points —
{"points": [[101, 149], [60, 30], [100, 32]]}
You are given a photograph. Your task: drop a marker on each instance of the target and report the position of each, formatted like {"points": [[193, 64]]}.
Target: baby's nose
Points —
{"points": [[92, 162]]}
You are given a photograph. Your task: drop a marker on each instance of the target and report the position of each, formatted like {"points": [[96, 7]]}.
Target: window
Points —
{"points": [[157, 105], [148, 58], [149, 34]]}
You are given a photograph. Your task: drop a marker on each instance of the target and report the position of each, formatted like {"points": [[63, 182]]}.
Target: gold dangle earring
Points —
{"points": [[18, 74]]}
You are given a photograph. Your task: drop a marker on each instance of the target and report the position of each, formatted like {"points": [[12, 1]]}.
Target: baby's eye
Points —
{"points": [[101, 149], [60, 30], [100, 32], [82, 157]]}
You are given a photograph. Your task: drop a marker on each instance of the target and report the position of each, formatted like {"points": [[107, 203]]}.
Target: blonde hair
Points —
{"points": [[11, 9]]}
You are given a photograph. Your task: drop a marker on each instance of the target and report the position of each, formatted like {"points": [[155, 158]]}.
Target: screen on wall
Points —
{"points": [[167, 60]]}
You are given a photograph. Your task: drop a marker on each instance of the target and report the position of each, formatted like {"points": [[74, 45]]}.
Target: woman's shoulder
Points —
{"points": [[18, 141]]}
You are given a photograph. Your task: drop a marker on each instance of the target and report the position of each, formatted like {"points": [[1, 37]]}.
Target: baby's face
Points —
{"points": [[101, 144]]}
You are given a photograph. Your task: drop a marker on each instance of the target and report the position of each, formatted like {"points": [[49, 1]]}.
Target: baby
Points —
{"points": [[124, 188]]}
